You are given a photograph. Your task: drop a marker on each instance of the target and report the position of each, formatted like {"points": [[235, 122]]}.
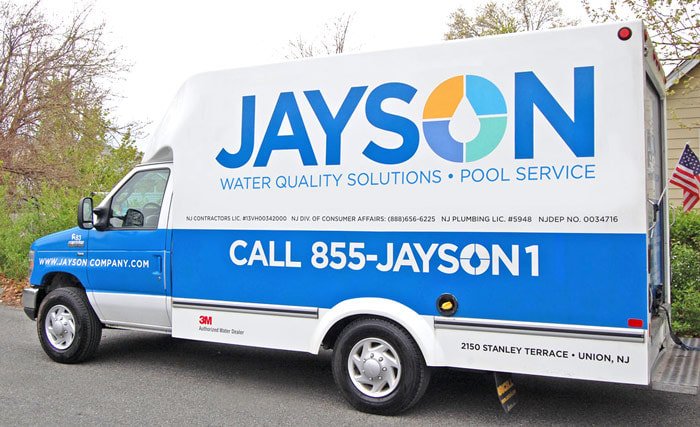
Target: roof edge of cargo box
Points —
{"points": [[163, 155]]}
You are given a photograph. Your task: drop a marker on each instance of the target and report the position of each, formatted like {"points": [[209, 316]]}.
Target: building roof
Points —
{"points": [[682, 69]]}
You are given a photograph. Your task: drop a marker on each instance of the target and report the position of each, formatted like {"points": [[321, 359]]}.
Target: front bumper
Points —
{"points": [[29, 297]]}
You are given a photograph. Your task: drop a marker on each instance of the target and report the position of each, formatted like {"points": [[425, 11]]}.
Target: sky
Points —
{"points": [[167, 41]]}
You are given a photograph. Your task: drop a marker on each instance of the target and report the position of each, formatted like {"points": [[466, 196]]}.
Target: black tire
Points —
{"points": [[78, 319], [413, 376]]}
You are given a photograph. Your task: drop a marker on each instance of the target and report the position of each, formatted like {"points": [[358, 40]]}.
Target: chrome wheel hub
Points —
{"points": [[60, 327], [374, 367]]}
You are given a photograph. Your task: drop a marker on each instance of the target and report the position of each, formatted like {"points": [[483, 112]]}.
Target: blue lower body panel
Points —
{"points": [[566, 278]]}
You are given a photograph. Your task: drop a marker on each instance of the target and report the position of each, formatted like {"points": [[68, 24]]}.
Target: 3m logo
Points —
{"points": [[205, 320]]}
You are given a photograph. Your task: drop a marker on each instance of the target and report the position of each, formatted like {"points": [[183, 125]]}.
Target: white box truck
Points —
{"points": [[491, 204]]}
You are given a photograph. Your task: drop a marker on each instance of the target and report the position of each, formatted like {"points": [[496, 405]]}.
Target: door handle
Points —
{"points": [[158, 272]]}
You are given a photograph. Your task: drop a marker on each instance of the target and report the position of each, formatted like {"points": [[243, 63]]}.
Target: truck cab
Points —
{"points": [[118, 256]]}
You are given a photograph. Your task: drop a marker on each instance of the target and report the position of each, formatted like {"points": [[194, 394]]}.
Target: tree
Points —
{"points": [[49, 72], [673, 25], [57, 140], [490, 19], [333, 40], [518, 15]]}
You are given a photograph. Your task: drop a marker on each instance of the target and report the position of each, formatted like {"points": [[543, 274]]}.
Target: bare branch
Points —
{"points": [[52, 75], [518, 15], [674, 25], [332, 41]]}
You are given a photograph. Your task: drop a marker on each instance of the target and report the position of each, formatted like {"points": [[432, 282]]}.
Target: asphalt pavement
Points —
{"points": [[151, 379]]}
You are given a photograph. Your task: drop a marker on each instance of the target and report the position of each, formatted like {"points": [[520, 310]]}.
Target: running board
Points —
{"points": [[138, 327], [678, 370]]}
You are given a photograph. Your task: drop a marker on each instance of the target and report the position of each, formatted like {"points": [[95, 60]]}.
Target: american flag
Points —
{"points": [[687, 176]]}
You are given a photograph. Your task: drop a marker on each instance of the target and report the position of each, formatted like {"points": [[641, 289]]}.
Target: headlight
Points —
{"points": [[31, 263]]}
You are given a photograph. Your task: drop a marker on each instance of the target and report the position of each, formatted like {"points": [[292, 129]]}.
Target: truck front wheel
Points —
{"points": [[378, 367], [68, 329]]}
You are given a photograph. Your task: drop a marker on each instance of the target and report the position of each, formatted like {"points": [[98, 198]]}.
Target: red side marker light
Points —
{"points": [[635, 323], [624, 33]]}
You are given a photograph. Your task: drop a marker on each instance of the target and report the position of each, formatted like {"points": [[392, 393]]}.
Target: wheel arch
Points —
{"points": [[333, 321], [55, 280]]}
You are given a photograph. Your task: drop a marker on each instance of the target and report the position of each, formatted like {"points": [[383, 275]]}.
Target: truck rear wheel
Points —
{"points": [[378, 367], [68, 329]]}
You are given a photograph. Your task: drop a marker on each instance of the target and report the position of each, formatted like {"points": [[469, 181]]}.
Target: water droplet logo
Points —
{"points": [[485, 100]]}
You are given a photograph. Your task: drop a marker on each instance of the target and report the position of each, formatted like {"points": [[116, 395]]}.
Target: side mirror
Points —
{"points": [[85, 213]]}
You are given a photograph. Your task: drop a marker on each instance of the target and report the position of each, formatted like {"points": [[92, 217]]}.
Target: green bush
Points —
{"points": [[48, 210], [30, 212], [685, 272], [685, 228]]}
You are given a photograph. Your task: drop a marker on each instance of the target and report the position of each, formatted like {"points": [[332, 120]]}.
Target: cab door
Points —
{"points": [[126, 261]]}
